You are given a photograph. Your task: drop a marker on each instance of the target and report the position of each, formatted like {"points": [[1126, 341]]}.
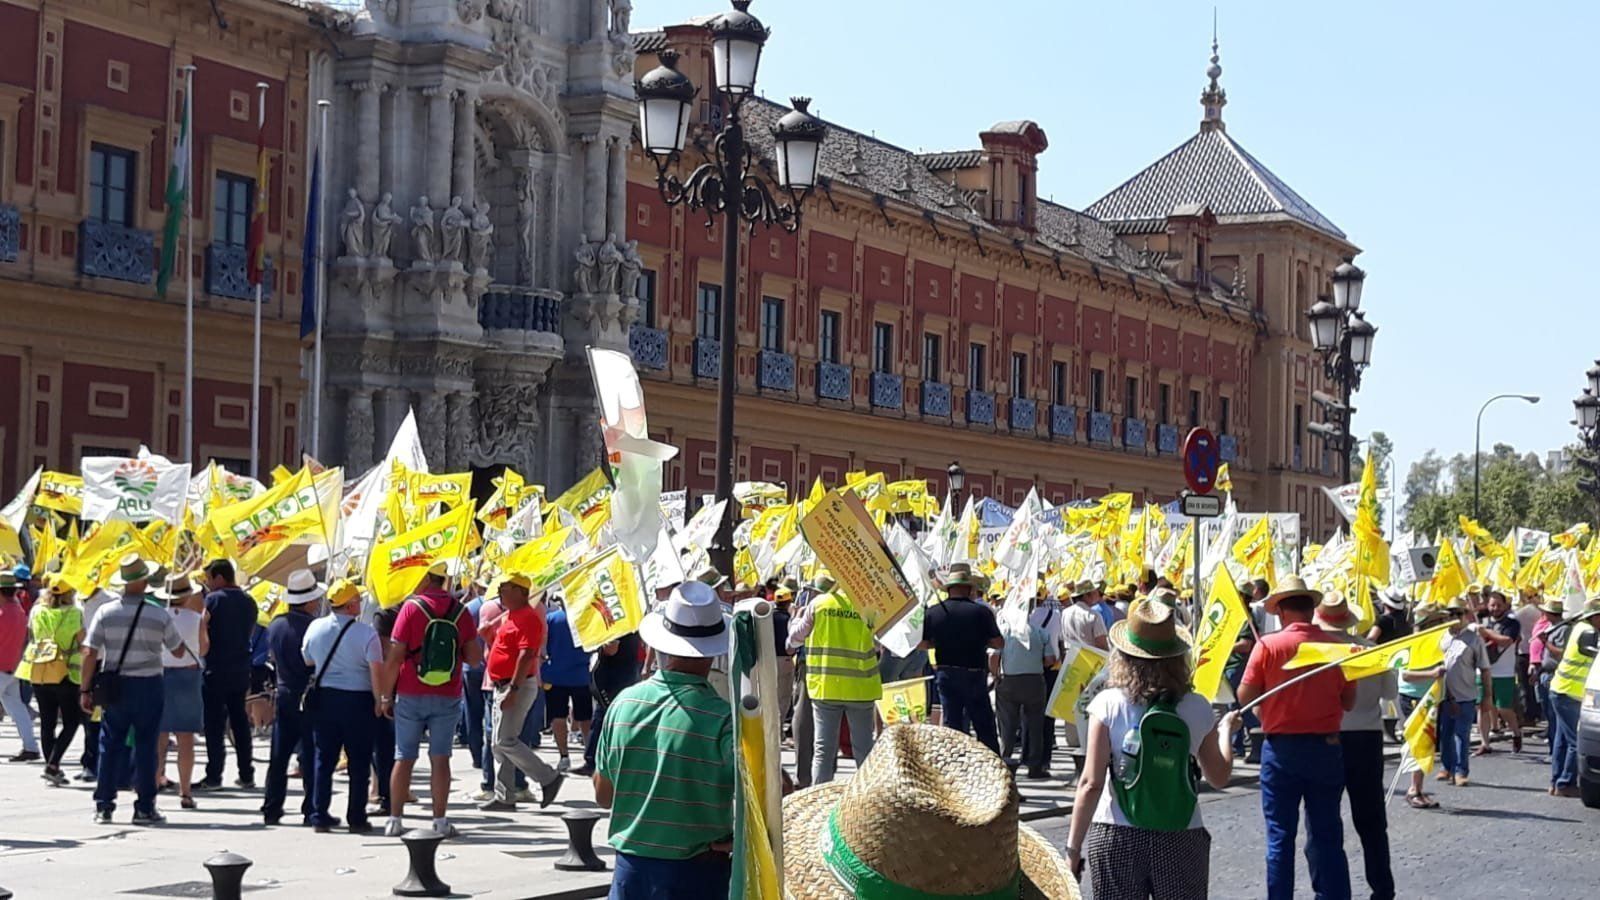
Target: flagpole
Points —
{"points": [[255, 361], [188, 267], [322, 285]]}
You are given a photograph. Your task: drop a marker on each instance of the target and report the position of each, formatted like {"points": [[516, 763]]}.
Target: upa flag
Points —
{"points": [[1418, 651], [396, 566], [136, 489], [904, 702], [1081, 665], [1422, 737], [604, 600], [255, 531], [1224, 616]]}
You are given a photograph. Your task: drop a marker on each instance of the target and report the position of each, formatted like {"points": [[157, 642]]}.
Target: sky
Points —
{"points": [[1455, 143]]}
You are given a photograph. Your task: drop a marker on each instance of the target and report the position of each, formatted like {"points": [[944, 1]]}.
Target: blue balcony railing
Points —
{"points": [[1063, 421], [935, 399], [10, 233], [508, 308], [980, 408], [888, 391], [1024, 415], [1100, 427], [1229, 447], [1133, 434], [833, 381], [1167, 439], [648, 346], [775, 371], [707, 358], [109, 250]]}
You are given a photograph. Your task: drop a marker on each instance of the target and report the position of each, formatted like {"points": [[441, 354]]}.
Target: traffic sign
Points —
{"points": [[1201, 506], [1201, 457]]}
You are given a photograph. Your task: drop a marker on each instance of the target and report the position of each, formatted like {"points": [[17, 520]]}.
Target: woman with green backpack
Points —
{"points": [[1149, 736]]}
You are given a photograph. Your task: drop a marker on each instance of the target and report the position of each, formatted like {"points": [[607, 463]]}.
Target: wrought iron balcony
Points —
{"points": [[833, 381], [1228, 445], [775, 371], [980, 408], [1100, 427], [1024, 415], [648, 347], [1133, 434], [512, 308], [935, 399], [888, 391], [10, 231], [1167, 439], [707, 358], [109, 250], [1063, 420]]}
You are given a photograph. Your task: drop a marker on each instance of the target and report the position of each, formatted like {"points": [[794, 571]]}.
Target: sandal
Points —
{"points": [[1421, 801], [186, 801]]}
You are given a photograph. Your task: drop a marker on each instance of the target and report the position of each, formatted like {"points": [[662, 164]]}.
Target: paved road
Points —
{"points": [[1500, 837]]}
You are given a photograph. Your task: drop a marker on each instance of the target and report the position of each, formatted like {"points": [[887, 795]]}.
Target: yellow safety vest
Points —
{"points": [[841, 664], [1574, 668]]}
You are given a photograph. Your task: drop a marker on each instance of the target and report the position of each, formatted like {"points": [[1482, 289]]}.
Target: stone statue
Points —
{"points": [[525, 211], [353, 225], [384, 218], [610, 260], [480, 243], [631, 267], [621, 14], [585, 275], [422, 246], [452, 228]]}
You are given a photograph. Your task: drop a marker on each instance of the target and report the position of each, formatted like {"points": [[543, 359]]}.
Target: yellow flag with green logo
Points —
{"points": [[1215, 635], [1421, 734], [1253, 550], [1077, 670], [395, 567], [904, 702], [253, 532], [95, 558], [269, 601], [604, 599], [1449, 577], [1422, 650], [582, 497]]}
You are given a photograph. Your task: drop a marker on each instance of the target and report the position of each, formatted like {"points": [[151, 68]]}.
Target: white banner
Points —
{"points": [[135, 489]]}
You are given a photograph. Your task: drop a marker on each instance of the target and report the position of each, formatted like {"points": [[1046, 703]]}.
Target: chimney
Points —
{"points": [[1010, 155]]}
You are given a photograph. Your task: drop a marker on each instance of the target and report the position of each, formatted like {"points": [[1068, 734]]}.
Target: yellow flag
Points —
{"points": [[255, 531], [582, 497], [10, 544], [269, 601], [1224, 480], [60, 492], [451, 490], [1422, 738], [1449, 578], [505, 500], [1215, 635], [47, 548], [904, 701], [1253, 550], [604, 599], [817, 491], [1422, 650], [1566, 539], [1077, 670], [280, 474], [396, 566], [95, 558], [1487, 546]]}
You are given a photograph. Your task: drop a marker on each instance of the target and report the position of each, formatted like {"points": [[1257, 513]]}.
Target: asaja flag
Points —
{"points": [[253, 532], [1218, 631], [1421, 735], [395, 567], [604, 600], [177, 202], [1081, 665], [904, 702], [1422, 650]]}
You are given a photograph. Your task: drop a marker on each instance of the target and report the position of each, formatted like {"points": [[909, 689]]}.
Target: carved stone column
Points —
{"points": [[431, 426], [465, 156], [461, 434], [594, 187], [368, 138], [441, 144], [359, 434], [617, 192]]}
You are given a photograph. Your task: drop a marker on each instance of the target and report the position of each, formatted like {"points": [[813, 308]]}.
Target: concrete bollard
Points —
{"points": [[423, 878], [227, 875], [580, 855]]}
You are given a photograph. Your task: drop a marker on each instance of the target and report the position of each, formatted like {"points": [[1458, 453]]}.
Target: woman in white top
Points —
{"points": [[183, 712], [1157, 847]]}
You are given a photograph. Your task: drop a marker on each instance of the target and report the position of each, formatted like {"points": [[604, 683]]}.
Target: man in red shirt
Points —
{"points": [[513, 669], [1301, 759], [422, 692]]}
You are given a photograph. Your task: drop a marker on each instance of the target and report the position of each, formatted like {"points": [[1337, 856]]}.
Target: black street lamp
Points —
{"points": [[1587, 458], [958, 480], [728, 186], [1341, 333]]}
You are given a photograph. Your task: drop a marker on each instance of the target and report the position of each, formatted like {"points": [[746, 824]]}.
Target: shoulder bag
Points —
{"points": [[107, 686], [309, 699]]}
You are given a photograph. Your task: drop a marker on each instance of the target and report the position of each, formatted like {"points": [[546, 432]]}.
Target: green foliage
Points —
{"points": [[1513, 490]]}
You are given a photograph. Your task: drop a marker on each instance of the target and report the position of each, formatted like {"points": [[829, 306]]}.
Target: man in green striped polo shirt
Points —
{"points": [[664, 764]]}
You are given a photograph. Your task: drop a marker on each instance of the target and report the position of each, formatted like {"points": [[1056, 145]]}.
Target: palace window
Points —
{"points": [[1097, 390], [1224, 411], [828, 337], [772, 324], [1166, 404], [977, 372], [1130, 398], [708, 312], [645, 291], [1194, 409], [1058, 383], [930, 356], [111, 174], [882, 347], [233, 197], [1019, 374]]}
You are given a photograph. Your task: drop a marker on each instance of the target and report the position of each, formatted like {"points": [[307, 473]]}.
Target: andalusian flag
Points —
{"points": [[396, 566], [177, 202], [1422, 650], [604, 600], [1224, 615]]}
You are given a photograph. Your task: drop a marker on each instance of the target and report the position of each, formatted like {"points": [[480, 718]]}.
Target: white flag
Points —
{"points": [[16, 512], [134, 489]]}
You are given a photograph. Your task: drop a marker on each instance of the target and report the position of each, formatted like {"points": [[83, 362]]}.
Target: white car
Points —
{"points": [[1589, 741]]}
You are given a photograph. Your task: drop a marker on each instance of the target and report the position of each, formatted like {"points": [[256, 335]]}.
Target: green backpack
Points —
{"points": [[1157, 787], [438, 659]]}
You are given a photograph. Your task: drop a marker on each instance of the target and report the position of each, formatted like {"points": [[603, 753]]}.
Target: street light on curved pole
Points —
{"points": [[1477, 442]]}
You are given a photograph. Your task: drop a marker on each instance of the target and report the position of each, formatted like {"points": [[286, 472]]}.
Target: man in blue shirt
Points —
{"points": [[347, 665], [232, 618], [566, 679], [290, 732]]}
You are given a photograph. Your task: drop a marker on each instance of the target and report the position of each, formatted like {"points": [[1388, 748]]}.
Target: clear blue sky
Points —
{"points": [[1454, 142]]}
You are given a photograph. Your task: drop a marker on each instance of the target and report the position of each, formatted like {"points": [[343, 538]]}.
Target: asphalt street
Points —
{"points": [[1501, 836]]}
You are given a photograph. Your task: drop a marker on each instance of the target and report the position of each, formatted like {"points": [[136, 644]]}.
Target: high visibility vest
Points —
{"points": [[1574, 668], [54, 626], [840, 662]]}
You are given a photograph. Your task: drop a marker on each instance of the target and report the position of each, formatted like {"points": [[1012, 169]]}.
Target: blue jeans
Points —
{"points": [[1542, 691], [1307, 768], [1455, 735], [382, 757], [530, 735], [964, 698], [472, 719], [343, 721], [643, 878], [137, 710], [1564, 752]]}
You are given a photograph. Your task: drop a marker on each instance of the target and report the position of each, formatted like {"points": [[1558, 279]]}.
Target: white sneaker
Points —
{"points": [[481, 796], [395, 828], [448, 831], [564, 765], [524, 795]]}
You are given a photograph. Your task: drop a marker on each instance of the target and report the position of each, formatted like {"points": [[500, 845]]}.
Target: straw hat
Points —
{"points": [[1151, 631], [131, 569], [1292, 586], [823, 582], [1335, 612], [1592, 608], [1454, 606], [1394, 598], [708, 575], [931, 811], [176, 587], [960, 575], [691, 623], [1084, 588], [302, 587], [8, 581], [1552, 605]]}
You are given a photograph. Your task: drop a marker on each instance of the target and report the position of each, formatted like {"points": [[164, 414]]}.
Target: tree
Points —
{"points": [[1515, 490]]}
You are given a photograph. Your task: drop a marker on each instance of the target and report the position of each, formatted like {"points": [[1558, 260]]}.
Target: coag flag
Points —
{"points": [[604, 600], [581, 499], [1418, 651], [546, 558], [1421, 735], [396, 566], [60, 492], [1224, 616], [504, 501], [1081, 665], [255, 531], [269, 601], [95, 557], [904, 702]]}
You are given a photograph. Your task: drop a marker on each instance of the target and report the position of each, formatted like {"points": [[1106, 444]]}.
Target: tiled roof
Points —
{"points": [[951, 159], [649, 41], [1209, 168]]}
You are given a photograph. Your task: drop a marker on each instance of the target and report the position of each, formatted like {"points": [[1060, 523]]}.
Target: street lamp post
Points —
{"points": [[1477, 442], [1341, 333], [728, 187], [1587, 407], [957, 480]]}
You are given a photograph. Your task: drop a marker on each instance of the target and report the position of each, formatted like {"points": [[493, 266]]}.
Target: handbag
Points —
{"points": [[309, 699], [107, 686]]}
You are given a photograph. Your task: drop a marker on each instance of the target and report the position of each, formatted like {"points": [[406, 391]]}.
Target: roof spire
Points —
{"points": [[1213, 98]]}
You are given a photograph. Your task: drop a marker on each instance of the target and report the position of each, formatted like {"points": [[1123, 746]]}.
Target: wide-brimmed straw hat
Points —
{"points": [[1292, 586], [1394, 598], [931, 812], [960, 575], [1335, 612], [131, 568], [302, 587], [1592, 608], [176, 587], [1151, 631], [1552, 605], [1084, 588], [691, 623]]}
